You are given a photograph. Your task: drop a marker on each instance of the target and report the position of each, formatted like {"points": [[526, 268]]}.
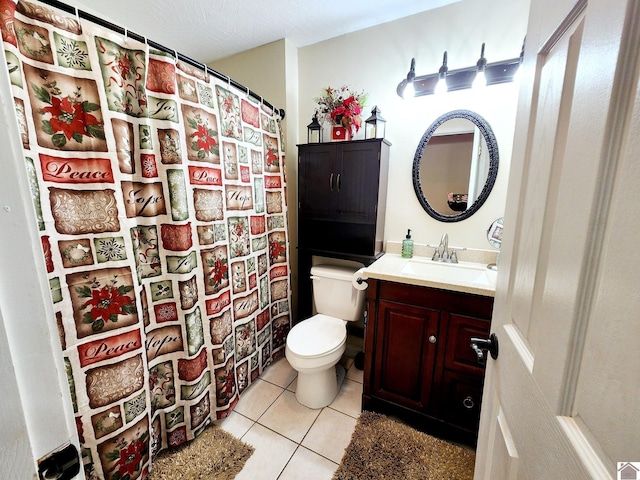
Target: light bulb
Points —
{"points": [[480, 81], [441, 86], [409, 91]]}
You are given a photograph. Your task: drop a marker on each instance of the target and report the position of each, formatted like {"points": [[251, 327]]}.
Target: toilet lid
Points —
{"points": [[318, 335]]}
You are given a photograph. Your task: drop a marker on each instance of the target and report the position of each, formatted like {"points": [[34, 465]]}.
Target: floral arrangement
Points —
{"points": [[341, 106]]}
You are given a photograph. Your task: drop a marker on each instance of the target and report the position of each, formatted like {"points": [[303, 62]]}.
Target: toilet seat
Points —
{"points": [[317, 336]]}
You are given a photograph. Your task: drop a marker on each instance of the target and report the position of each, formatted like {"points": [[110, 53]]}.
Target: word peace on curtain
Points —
{"points": [[160, 198]]}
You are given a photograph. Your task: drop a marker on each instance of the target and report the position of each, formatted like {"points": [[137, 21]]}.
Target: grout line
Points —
{"points": [[298, 444]]}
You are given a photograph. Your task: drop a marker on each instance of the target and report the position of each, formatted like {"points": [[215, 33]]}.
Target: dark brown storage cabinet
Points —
{"points": [[342, 193], [418, 361]]}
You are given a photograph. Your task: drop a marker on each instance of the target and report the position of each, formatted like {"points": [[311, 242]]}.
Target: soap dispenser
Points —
{"points": [[407, 246]]}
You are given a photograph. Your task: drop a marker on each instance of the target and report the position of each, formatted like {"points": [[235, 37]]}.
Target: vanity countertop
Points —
{"points": [[465, 277]]}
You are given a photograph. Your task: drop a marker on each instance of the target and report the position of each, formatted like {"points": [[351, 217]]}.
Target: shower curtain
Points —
{"points": [[159, 192]]}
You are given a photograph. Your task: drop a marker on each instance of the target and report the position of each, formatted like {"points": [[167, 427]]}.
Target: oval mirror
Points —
{"points": [[455, 165]]}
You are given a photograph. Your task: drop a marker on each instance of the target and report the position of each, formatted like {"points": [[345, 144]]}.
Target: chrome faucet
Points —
{"points": [[444, 245], [441, 252]]}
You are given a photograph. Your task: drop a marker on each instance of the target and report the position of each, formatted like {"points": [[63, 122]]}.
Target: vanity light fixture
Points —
{"points": [[408, 89], [481, 80], [461, 78], [441, 86]]}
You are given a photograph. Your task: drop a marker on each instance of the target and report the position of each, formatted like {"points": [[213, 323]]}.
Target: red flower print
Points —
{"points": [[107, 303], [123, 66], [69, 118], [276, 249], [227, 104], [130, 457], [204, 140], [219, 272], [69, 115], [272, 158]]}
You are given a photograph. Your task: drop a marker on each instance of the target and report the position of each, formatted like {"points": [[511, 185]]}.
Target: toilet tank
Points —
{"points": [[333, 292]]}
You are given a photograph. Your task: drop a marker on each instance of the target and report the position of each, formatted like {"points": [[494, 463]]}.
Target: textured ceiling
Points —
{"points": [[207, 30]]}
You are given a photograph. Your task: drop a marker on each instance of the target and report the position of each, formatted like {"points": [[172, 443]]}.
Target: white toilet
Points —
{"points": [[315, 345]]}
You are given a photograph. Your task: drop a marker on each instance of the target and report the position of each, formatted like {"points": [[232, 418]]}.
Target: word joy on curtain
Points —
{"points": [[159, 192]]}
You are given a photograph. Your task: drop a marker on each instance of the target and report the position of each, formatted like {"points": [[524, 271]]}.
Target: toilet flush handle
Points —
{"points": [[314, 277]]}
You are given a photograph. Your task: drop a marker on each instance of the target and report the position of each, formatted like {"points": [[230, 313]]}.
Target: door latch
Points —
{"points": [[63, 464], [480, 344]]}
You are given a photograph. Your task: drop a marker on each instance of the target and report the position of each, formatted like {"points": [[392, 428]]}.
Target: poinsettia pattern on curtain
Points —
{"points": [[159, 192]]}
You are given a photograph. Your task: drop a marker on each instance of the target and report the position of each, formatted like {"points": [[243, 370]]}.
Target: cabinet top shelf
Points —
{"points": [[379, 140]]}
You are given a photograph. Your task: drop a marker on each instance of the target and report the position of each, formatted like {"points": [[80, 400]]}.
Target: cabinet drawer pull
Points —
{"points": [[338, 182], [331, 182], [433, 339], [468, 403]]}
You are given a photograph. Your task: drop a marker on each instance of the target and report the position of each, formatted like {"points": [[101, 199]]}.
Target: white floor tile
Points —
{"points": [[272, 452], [280, 373], [349, 399], [356, 375], [308, 465], [330, 434], [289, 418], [235, 424], [257, 398], [269, 418]]}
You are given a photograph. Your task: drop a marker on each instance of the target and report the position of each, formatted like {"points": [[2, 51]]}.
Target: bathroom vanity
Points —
{"points": [[419, 364]]}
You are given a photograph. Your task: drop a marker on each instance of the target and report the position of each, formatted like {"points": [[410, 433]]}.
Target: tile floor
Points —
{"points": [[292, 441]]}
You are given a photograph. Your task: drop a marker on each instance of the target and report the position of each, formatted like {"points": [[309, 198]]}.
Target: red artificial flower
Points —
{"points": [[106, 302], [337, 112], [205, 141]]}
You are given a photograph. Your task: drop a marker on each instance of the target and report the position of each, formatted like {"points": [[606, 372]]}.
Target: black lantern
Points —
{"points": [[314, 131], [375, 124]]}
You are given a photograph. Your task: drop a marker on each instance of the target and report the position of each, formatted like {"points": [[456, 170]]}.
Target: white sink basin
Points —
{"points": [[452, 273]]}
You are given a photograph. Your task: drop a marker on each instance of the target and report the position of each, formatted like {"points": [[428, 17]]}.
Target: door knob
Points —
{"points": [[480, 344]]}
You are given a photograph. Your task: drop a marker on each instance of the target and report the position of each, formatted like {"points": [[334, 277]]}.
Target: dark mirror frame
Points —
{"points": [[492, 146]]}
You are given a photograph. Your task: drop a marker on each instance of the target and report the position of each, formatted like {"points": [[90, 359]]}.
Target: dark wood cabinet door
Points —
{"points": [[317, 181], [405, 351], [358, 176], [458, 352], [461, 400]]}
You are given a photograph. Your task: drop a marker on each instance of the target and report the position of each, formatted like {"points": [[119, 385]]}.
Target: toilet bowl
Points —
{"points": [[315, 345]]}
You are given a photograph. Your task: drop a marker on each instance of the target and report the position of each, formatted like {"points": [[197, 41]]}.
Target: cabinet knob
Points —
{"points": [[433, 339], [468, 403]]}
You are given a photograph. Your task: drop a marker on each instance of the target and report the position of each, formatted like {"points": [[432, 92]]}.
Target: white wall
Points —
{"points": [[377, 58]]}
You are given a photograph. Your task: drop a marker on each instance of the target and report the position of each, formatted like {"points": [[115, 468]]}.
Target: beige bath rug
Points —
{"points": [[382, 448], [213, 455]]}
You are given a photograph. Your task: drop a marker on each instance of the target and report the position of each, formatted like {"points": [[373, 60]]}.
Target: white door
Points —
{"points": [[36, 416], [562, 400]]}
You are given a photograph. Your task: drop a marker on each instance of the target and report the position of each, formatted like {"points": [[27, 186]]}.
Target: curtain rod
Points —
{"points": [[122, 31]]}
